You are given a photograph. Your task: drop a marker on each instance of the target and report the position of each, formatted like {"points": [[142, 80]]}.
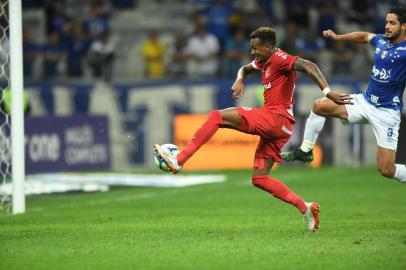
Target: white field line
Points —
{"points": [[135, 197]]}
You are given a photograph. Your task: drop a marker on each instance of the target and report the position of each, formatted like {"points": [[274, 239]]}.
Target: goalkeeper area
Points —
{"points": [[228, 225]]}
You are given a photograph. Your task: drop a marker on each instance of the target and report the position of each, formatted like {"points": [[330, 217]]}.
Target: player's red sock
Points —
{"points": [[201, 136], [279, 190]]}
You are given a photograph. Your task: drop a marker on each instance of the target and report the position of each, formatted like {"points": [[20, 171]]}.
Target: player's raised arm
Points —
{"points": [[238, 86], [317, 76], [360, 37]]}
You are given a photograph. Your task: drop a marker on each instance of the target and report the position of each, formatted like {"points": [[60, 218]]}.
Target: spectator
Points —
{"points": [[123, 4], [310, 47], [290, 41], [56, 18], [104, 8], [197, 5], [101, 56], [153, 52], [267, 6], [97, 24], [362, 61], [77, 47], [257, 18], [54, 54], [237, 53], [341, 59], [30, 54], [361, 12], [178, 58], [297, 11], [378, 15], [328, 19], [240, 20], [32, 3], [218, 17], [202, 49]]}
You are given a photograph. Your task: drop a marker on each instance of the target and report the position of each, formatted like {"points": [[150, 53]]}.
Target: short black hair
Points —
{"points": [[266, 34], [400, 11]]}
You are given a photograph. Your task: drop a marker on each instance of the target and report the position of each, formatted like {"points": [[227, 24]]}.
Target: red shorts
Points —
{"points": [[274, 129]]}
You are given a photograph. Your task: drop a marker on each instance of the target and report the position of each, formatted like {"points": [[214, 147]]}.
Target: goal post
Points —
{"points": [[17, 107]]}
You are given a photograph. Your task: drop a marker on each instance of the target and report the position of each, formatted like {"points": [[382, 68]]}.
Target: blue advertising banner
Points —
{"points": [[66, 143]]}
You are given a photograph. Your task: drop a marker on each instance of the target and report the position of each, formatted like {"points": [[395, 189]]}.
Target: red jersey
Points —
{"points": [[278, 79]]}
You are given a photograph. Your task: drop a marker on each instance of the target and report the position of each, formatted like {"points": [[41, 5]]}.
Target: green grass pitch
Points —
{"points": [[231, 225]]}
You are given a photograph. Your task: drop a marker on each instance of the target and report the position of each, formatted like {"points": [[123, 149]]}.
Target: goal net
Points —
{"points": [[11, 108], [5, 121]]}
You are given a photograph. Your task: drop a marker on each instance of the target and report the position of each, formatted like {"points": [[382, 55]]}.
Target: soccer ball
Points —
{"points": [[166, 147]]}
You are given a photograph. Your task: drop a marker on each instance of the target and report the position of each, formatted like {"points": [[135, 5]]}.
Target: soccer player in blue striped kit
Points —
{"points": [[381, 104]]}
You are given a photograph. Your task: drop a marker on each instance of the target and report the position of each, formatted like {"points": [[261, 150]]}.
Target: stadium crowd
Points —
{"points": [[213, 44]]}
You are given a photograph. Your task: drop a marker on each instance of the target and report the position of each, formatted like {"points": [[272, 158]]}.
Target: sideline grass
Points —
{"points": [[219, 226]]}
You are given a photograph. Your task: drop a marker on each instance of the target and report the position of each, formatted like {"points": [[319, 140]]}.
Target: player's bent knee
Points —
{"points": [[215, 116], [318, 106], [387, 171], [259, 181]]}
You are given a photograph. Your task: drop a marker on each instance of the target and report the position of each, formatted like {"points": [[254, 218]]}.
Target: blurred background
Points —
{"points": [[138, 40], [140, 63]]}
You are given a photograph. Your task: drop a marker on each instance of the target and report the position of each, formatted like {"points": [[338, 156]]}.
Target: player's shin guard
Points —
{"points": [[400, 173], [202, 135], [314, 124], [279, 190]]}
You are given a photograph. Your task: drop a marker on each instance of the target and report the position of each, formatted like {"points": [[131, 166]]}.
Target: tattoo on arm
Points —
{"points": [[249, 69], [298, 65]]}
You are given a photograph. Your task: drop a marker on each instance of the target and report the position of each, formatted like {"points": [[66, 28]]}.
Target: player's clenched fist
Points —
{"points": [[330, 34]]}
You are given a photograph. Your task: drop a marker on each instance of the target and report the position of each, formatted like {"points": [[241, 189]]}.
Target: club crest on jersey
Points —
{"points": [[267, 86], [384, 54]]}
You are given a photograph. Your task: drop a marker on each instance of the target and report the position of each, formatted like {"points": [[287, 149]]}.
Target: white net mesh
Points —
{"points": [[5, 142]]}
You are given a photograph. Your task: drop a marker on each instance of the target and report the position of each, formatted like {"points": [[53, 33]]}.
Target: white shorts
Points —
{"points": [[384, 122]]}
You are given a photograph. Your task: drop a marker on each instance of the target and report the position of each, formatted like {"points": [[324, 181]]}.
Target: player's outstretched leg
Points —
{"points": [[168, 157], [298, 154], [400, 173], [311, 216], [284, 193], [314, 125]]}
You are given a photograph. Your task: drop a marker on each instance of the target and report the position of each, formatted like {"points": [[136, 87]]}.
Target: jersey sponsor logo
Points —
{"points": [[286, 130], [401, 48], [382, 74]]}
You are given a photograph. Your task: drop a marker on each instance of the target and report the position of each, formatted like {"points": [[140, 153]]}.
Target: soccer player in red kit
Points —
{"points": [[273, 123]]}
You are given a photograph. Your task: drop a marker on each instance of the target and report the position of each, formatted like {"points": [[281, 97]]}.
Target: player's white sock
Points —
{"points": [[314, 125], [400, 173]]}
